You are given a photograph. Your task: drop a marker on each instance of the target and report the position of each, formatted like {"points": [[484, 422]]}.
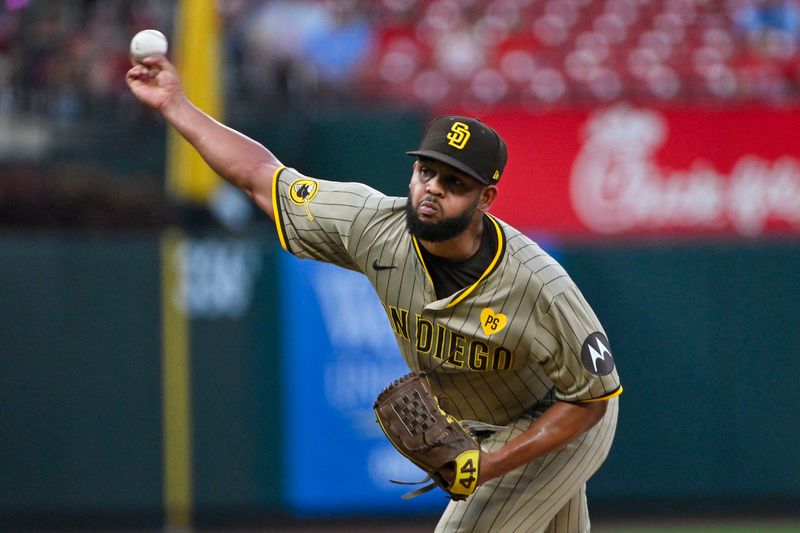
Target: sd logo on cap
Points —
{"points": [[466, 144]]}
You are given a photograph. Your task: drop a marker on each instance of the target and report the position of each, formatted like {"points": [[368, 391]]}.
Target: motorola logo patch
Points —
{"points": [[596, 355]]}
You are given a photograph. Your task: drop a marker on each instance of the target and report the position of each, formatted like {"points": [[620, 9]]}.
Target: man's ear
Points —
{"points": [[488, 196]]}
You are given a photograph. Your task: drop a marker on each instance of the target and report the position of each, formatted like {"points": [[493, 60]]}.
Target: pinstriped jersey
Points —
{"points": [[519, 338]]}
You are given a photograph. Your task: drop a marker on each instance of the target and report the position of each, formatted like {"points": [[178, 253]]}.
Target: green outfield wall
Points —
{"points": [[81, 378], [706, 335], [706, 338]]}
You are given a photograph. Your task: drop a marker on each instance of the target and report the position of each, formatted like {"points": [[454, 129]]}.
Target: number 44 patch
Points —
{"points": [[466, 480]]}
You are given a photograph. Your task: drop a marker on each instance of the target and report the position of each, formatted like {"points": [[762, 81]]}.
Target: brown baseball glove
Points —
{"points": [[410, 416]]}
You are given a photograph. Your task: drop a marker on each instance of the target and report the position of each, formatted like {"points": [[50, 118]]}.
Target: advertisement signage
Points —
{"points": [[339, 352], [625, 170]]}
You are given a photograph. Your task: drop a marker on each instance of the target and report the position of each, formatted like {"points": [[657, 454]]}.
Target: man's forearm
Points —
{"points": [[237, 158], [561, 423]]}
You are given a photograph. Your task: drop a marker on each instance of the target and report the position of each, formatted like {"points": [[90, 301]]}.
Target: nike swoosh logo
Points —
{"points": [[378, 267]]}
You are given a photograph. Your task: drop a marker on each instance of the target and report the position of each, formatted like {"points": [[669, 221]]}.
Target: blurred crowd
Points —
{"points": [[66, 60], [63, 63]]}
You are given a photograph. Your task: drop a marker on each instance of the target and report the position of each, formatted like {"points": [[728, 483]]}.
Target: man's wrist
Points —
{"points": [[174, 106], [489, 466]]}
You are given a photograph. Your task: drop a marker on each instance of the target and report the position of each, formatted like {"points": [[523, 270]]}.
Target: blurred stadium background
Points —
{"points": [[164, 364]]}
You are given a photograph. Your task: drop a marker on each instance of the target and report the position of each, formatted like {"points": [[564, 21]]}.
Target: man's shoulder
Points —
{"points": [[351, 192], [522, 247], [528, 255]]}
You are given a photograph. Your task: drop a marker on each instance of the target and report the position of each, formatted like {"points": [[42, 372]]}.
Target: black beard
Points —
{"points": [[443, 230]]}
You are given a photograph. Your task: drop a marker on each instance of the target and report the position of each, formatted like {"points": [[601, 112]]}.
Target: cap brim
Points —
{"points": [[450, 160]]}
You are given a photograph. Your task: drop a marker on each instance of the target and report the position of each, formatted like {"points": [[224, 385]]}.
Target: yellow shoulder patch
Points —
{"points": [[302, 190]]}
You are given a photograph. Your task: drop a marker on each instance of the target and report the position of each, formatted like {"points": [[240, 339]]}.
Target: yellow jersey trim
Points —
{"points": [[490, 268], [276, 212], [607, 397], [501, 243], [421, 260]]}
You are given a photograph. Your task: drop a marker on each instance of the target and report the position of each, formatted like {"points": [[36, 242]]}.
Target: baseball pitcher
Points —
{"points": [[510, 366]]}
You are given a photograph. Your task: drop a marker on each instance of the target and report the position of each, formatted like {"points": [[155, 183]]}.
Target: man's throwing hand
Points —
{"points": [[154, 81]]}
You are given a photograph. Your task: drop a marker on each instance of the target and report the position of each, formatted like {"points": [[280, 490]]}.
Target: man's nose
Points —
{"points": [[434, 186]]}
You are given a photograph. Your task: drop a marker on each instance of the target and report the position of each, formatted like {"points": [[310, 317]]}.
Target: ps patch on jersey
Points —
{"points": [[492, 322], [596, 355]]}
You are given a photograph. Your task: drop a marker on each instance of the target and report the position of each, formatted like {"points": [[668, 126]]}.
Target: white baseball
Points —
{"points": [[147, 43]]}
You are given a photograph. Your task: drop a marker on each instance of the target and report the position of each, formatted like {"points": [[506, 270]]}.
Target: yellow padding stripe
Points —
{"points": [[176, 387]]}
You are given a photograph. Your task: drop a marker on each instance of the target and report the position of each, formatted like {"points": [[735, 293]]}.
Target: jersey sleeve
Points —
{"points": [[316, 218], [576, 353]]}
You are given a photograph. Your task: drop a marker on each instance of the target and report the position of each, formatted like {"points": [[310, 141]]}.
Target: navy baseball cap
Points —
{"points": [[467, 144]]}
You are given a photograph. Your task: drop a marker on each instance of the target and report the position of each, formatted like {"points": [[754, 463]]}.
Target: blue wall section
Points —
{"points": [[338, 353]]}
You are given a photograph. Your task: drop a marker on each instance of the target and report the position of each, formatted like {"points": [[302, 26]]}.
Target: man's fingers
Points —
{"points": [[159, 62], [143, 72], [137, 71], [149, 67]]}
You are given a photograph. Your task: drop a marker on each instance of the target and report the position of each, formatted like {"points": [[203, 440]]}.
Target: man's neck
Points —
{"points": [[458, 248]]}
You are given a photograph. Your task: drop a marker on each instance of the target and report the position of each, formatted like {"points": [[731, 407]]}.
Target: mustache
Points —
{"points": [[429, 199]]}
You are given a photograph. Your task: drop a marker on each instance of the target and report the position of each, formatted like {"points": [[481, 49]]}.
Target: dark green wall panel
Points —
{"points": [[707, 340], [80, 380], [236, 400], [368, 147], [79, 375]]}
